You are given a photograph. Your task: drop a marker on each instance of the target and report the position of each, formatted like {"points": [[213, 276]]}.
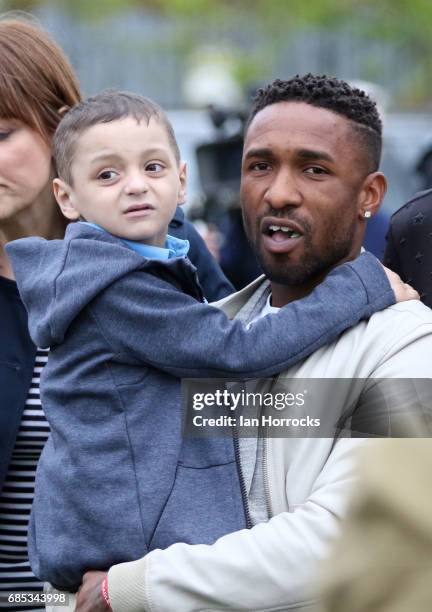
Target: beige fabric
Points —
{"points": [[383, 559], [273, 565]]}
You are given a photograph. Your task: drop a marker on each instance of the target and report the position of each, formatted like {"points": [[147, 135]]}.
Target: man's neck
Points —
{"points": [[283, 294]]}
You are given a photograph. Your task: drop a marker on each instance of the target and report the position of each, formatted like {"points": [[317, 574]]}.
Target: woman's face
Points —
{"points": [[25, 168]]}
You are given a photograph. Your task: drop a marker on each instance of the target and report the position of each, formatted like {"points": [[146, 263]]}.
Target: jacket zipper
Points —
{"points": [[265, 475], [241, 479]]}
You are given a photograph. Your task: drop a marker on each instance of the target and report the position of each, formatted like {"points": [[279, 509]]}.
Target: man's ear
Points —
{"points": [[372, 194], [62, 193], [182, 194]]}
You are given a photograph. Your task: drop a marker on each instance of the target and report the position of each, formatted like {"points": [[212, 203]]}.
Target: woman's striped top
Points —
{"points": [[17, 494]]}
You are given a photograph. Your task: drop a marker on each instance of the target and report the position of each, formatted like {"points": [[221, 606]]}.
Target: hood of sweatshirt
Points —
{"points": [[46, 273]]}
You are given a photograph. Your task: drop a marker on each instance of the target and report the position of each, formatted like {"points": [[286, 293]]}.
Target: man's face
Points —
{"points": [[303, 172], [125, 179]]}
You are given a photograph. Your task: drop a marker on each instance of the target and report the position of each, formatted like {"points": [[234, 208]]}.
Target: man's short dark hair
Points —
{"points": [[334, 95], [109, 105]]}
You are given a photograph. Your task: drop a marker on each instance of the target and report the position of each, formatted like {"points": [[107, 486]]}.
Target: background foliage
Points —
{"points": [[403, 26]]}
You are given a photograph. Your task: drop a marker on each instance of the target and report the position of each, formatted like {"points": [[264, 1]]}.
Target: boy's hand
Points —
{"points": [[89, 597], [402, 291]]}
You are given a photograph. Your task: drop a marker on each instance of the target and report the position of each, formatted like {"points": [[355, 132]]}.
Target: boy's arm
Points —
{"points": [[164, 328]]}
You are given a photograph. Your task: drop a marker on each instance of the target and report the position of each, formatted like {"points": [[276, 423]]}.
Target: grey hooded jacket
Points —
{"points": [[116, 479]]}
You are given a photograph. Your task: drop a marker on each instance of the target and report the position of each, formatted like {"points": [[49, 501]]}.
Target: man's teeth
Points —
{"points": [[286, 230]]}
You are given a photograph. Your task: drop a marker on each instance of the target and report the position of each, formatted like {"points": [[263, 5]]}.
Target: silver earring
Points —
{"points": [[367, 214]]}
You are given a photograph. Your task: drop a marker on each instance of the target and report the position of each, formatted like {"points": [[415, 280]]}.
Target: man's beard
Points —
{"points": [[312, 265]]}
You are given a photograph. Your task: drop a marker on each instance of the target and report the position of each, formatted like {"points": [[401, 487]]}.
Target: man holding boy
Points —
{"points": [[310, 181], [118, 304]]}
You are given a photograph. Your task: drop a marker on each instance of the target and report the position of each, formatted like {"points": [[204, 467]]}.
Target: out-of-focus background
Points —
{"points": [[202, 59]]}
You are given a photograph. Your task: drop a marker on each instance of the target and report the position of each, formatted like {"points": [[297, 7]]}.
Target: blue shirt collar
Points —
{"points": [[174, 247]]}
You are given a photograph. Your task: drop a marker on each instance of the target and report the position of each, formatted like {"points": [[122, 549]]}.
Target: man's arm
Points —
{"points": [[270, 566], [267, 567], [264, 568]]}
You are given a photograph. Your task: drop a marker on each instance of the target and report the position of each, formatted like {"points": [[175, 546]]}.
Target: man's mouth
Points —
{"points": [[280, 232], [280, 236]]}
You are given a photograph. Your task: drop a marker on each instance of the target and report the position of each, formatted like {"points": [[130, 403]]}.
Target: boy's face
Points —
{"points": [[125, 179]]}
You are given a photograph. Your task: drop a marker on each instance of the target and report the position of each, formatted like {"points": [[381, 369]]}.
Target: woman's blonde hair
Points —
{"points": [[37, 81]]}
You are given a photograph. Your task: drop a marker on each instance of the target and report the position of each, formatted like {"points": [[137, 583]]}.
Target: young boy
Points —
{"points": [[118, 303]]}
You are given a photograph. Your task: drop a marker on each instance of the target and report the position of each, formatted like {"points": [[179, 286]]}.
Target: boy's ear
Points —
{"points": [[62, 193], [183, 183]]}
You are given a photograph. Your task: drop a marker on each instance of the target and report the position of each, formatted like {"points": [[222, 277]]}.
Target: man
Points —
{"points": [[409, 244], [309, 181]]}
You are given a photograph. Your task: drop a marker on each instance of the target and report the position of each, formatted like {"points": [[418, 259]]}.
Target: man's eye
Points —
{"points": [[107, 175], [315, 170], [260, 166], [155, 167]]}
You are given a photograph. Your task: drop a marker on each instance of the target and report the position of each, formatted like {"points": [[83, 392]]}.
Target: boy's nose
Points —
{"points": [[136, 183]]}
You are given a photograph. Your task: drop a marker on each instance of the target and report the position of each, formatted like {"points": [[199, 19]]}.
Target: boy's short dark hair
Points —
{"points": [[332, 94], [107, 106]]}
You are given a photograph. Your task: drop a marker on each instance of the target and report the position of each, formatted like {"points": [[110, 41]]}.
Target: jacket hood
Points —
{"points": [[46, 273]]}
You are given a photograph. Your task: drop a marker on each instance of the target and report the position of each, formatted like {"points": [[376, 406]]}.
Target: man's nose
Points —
{"points": [[284, 190], [136, 182]]}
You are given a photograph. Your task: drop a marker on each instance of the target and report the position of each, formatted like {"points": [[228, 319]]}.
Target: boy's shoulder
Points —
{"points": [[79, 229], [57, 279]]}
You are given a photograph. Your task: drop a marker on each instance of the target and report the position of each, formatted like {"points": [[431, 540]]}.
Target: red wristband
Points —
{"points": [[104, 589]]}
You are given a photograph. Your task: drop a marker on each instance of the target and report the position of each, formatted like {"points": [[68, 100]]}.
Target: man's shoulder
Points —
{"points": [[411, 318], [403, 316], [404, 329], [397, 326]]}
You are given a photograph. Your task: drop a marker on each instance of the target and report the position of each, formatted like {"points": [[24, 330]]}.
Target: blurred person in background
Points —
{"points": [[382, 560], [424, 168], [409, 244], [375, 235], [37, 86]]}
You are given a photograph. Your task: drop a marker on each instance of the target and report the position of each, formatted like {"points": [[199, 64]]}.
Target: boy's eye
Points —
{"points": [[107, 175], [155, 167]]}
